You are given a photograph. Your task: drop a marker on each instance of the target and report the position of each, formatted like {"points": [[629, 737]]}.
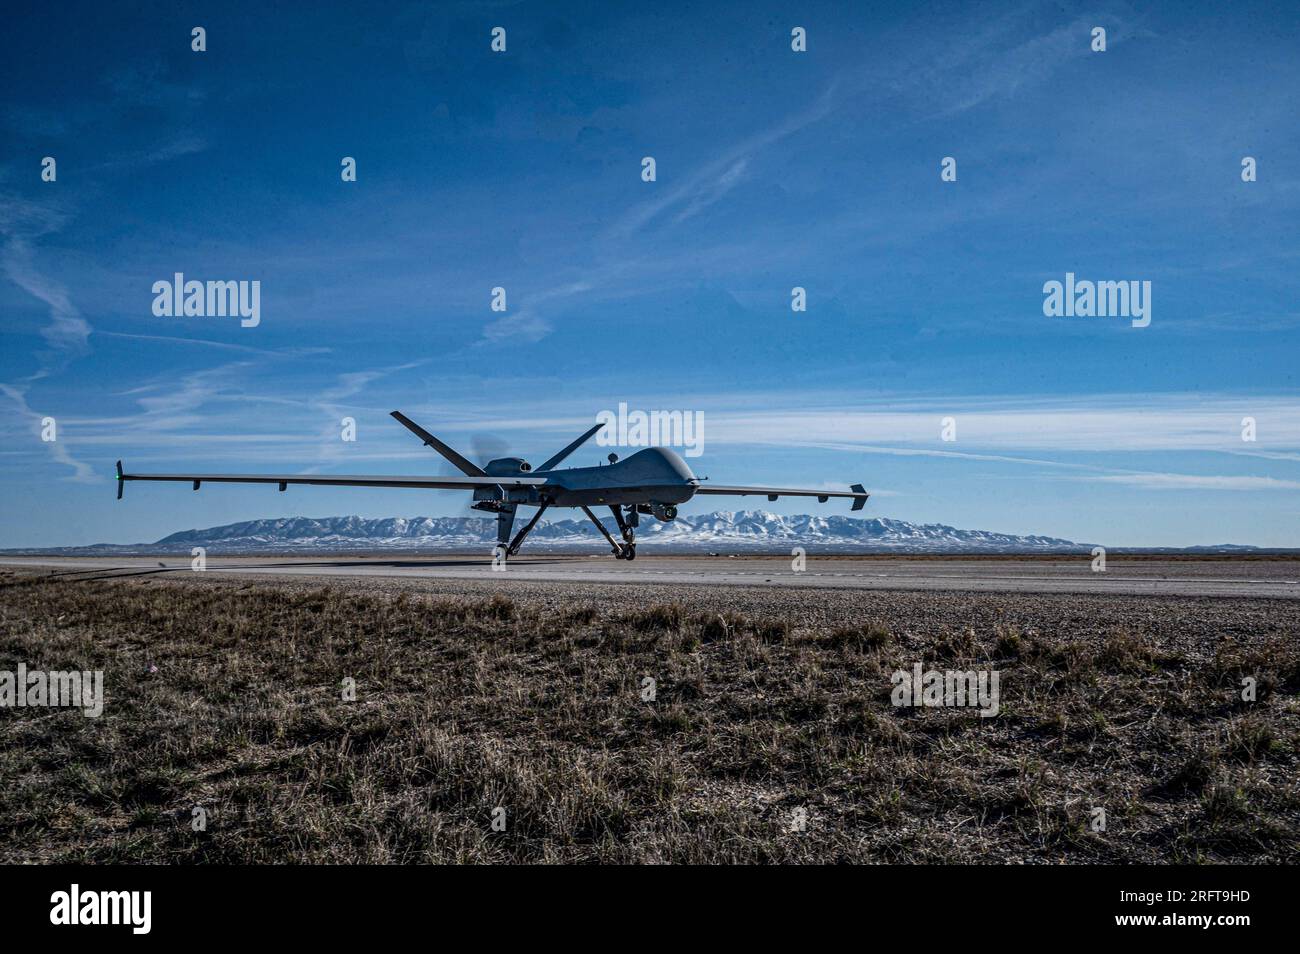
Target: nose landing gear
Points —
{"points": [[622, 551], [628, 529]]}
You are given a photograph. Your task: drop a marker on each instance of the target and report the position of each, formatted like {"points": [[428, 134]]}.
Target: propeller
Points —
{"points": [[483, 449], [487, 448]]}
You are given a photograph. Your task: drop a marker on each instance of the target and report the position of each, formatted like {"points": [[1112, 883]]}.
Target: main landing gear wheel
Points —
{"points": [[621, 551]]}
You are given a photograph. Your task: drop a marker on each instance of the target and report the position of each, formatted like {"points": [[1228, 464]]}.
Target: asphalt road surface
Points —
{"points": [[1227, 577]]}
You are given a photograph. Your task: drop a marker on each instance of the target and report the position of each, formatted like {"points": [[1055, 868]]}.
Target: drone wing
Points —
{"points": [[330, 480], [858, 495]]}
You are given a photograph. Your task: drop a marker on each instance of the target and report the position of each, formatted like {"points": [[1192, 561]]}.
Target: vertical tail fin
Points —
{"points": [[466, 467], [571, 448]]}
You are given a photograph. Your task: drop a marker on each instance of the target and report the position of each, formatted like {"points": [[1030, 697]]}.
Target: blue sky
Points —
{"points": [[775, 169]]}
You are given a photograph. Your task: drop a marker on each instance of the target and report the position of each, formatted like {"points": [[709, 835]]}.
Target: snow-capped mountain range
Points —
{"points": [[744, 530]]}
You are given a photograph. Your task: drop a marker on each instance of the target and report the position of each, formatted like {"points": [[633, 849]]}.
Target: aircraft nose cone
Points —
{"points": [[674, 462]]}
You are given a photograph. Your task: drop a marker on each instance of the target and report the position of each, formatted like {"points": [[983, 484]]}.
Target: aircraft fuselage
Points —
{"points": [[655, 474]]}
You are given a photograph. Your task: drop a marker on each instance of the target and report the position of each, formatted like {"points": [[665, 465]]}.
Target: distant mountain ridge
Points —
{"points": [[744, 528], [721, 530], [730, 530]]}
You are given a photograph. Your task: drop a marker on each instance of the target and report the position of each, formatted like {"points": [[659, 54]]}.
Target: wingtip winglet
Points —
{"points": [[121, 481], [859, 502]]}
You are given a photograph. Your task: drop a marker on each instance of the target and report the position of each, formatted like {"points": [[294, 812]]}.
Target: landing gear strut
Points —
{"points": [[628, 528], [625, 551], [518, 541], [505, 518]]}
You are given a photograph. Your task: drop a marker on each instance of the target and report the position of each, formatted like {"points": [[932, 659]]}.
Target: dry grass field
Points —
{"points": [[227, 694]]}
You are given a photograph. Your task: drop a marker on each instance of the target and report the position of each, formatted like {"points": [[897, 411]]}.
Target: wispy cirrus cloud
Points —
{"points": [[526, 324], [715, 178], [219, 345], [332, 406], [1062, 423], [179, 145], [58, 448], [1157, 481], [999, 57], [24, 222], [66, 332]]}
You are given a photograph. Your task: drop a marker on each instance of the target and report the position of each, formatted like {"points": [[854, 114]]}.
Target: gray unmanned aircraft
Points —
{"points": [[650, 482]]}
